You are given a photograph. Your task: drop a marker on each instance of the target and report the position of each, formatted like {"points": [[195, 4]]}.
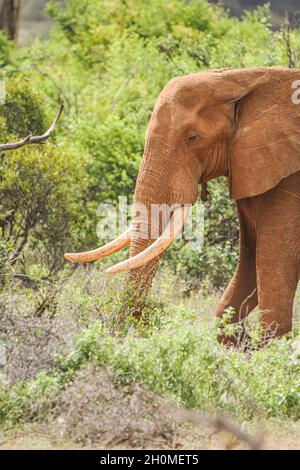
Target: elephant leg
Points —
{"points": [[278, 256], [277, 285], [241, 293]]}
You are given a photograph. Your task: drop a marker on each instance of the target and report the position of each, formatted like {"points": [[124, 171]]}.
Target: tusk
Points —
{"points": [[158, 247], [120, 242]]}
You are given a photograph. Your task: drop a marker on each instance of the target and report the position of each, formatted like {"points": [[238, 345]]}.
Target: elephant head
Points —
{"points": [[239, 123]]}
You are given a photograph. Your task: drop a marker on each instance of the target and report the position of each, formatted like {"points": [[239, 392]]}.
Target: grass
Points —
{"points": [[175, 354]]}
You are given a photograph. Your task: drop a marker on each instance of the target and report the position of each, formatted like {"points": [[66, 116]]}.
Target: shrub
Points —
{"points": [[39, 185], [6, 248], [180, 360], [4, 49]]}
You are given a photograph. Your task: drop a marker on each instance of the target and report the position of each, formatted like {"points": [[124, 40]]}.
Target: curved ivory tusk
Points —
{"points": [[158, 247], [120, 242]]}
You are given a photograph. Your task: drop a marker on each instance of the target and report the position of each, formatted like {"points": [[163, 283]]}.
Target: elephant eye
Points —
{"points": [[192, 137]]}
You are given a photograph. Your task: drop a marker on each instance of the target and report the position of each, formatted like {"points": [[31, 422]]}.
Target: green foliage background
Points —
{"points": [[108, 61]]}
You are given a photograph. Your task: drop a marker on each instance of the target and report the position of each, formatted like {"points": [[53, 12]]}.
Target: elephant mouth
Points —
{"points": [[172, 229]]}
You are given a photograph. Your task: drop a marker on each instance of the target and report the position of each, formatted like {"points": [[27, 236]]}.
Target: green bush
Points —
{"points": [[6, 249], [181, 360], [115, 150], [22, 110], [39, 185], [4, 50]]}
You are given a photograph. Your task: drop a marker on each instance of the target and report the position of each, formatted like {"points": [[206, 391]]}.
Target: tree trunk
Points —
{"points": [[10, 13]]}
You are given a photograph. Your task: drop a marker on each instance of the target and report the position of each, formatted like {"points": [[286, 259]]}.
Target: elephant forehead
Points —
{"points": [[169, 116], [180, 121], [187, 91]]}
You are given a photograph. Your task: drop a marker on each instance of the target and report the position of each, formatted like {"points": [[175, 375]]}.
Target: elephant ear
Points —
{"points": [[265, 145]]}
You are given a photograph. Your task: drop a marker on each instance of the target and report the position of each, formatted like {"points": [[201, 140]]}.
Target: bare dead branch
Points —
{"points": [[38, 139], [220, 423]]}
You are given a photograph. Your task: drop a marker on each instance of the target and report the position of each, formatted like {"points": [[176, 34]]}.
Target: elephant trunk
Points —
{"points": [[155, 223], [141, 277]]}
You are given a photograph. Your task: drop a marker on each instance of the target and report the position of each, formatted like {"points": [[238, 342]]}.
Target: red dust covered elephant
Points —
{"points": [[244, 124]]}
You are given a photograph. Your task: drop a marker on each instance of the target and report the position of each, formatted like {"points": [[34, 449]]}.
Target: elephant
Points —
{"points": [[243, 124]]}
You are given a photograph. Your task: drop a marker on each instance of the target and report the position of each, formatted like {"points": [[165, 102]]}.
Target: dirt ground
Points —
{"points": [[275, 437], [96, 412]]}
